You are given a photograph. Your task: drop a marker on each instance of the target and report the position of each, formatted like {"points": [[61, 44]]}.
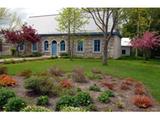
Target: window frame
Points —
{"points": [[64, 46], [36, 47], [45, 46], [93, 45], [82, 46]]}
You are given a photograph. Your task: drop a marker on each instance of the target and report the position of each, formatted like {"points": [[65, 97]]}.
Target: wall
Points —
{"points": [[127, 49]]}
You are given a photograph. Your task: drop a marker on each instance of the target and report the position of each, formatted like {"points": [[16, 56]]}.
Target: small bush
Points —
{"points": [[15, 104], [55, 71], [124, 86], [25, 73], [83, 99], [6, 80], [5, 94], [91, 107], [78, 75], [65, 84], [36, 54], [94, 76], [13, 51], [120, 104], [43, 100], [40, 84], [139, 91], [128, 81], [73, 109], [35, 109], [3, 70], [108, 85], [65, 101], [96, 71], [94, 88], [64, 55], [142, 101], [104, 96]]}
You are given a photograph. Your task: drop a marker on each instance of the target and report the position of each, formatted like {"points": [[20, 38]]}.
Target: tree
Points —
{"points": [[146, 43], [71, 21], [17, 37], [105, 18]]}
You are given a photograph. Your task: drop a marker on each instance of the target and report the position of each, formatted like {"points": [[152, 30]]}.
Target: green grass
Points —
{"points": [[147, 72]]}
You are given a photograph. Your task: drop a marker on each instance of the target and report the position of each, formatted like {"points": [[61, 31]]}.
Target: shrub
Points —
{"points": [[120, 104], [139, 91], [104, 96], [108, 85], [65, 101], [25, 73], [43, 100], [3, 70], [142, 101], [6, 80], [35, 109], [96, 71], [94, 88], [55, 71], [65, 84], [64, 55], [15, 104], [5, 94], [124, 86], [91, 107], [78, 75], [83, 99], [36, 54], [13, 51], [40, 84], [128, 81], [73, 109], [94, 76]]}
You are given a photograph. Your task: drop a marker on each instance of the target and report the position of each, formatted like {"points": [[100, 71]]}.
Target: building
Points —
{"points": [[87, 43], [126, 46]]}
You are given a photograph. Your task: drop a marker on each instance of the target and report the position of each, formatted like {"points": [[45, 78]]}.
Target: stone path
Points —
{"points": [[22, 59]]}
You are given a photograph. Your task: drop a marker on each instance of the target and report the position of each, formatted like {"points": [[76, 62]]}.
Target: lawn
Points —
{"points": [[147, 72]]}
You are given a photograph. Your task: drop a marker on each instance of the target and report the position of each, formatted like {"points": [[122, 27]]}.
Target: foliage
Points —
{"points": [[66, 84], [15, 104], [5, 94], [147, 42], [55, 71], [73, 109], [94, 76], [40, 84], [25, 73], [104, 97], [36, 54], [94, 88], [124, 86], [120, 104], [139, 90], [96, 71], [35, 109], [6, 80], [3, 70], [13, 51], [108, 85], [83, 99], [43, 100], [78, 75], [142, 101]]}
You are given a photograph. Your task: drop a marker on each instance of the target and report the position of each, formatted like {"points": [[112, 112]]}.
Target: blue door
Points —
{"points": [[54, 48]]}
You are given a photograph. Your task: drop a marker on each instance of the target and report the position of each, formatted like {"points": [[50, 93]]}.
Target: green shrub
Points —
{"points": [[104, 97], [15, 104], [94, 88], [3, 70], [91, 107], [65, 101], [36, 109], [40, 84], [5, 94], [94, 76], [83, 99], [13, 51], [73, 109], [109, 92], [43, 100], [36, 54], [55, 71], [64, 55], [25, 73]]}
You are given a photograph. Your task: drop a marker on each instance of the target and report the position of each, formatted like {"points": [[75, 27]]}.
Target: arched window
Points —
{"points": [[62, 45], [34, 47], [46, 46]]}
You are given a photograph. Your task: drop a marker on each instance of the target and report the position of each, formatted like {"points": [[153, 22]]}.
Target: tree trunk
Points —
{"points": [[105, 53]]}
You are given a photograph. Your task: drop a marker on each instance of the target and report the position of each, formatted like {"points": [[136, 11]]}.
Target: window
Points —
{"points": [[123, 52], [21, 46], [96, 45], [62, 46], [34, 47], [45, 45], [80, 46]]}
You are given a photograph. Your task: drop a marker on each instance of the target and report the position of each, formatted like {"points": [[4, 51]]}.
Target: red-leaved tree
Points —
{"points": [[149, 41], [17, 37]]}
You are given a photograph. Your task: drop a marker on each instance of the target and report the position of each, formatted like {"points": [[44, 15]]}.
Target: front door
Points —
{"points": [[54, 48]]}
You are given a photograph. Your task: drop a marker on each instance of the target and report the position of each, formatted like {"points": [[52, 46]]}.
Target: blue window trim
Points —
{"points": [[82, 47], [34, 50], [98, 51], [62, 48], [46, 46]]}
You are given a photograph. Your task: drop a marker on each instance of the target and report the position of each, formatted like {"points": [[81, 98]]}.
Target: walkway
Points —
{"points": [[22, 59]]}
